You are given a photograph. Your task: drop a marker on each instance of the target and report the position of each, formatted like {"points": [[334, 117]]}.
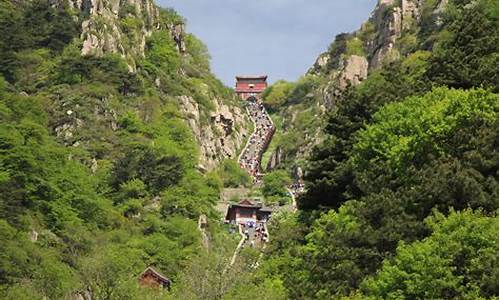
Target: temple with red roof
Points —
{"points": [[250, 86], [247, 211]]}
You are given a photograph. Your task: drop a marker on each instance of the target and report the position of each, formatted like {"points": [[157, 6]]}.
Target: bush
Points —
{"points": [[277, 94], [275, 184], [355, 46], [232, 175], [458, 261], [161, 52]]}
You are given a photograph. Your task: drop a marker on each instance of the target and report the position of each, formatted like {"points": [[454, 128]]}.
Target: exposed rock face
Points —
{"points": [[102, 31], [33, 235], [410, 10], [106, 29], [320, 63], [354, 70], [388, 20], [178, 32], [275, 159], [391, 18], [298, 174], [222, 137]]}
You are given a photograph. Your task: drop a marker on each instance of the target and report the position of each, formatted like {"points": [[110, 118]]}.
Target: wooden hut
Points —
{"points": [[152, 278]]}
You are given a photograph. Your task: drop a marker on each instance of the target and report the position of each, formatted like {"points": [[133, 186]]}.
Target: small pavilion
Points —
{"points": [[250, 86]]}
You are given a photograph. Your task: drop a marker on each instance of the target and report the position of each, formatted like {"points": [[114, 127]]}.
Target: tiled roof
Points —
{"points": [[243, 77], [156, 274]]}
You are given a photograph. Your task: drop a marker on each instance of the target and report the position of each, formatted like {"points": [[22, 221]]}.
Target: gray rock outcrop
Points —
{"points": [[105, 30], [222, 137], [275, 159]]}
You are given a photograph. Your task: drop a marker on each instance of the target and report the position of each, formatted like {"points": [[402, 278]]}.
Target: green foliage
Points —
{"points": [[444, 265], [161, 53], [274, 188], [467, 49], [97, 164], [367, 32], [407, 44], [408, 133], [192, 197], [336, 49], [329, 170], [170, 16], [439, 150], [75, 69], [30, 26], [277, 94], [355, 46], [198, 53], [232, 175], [157, 169], [397, 148], [131, 123]]}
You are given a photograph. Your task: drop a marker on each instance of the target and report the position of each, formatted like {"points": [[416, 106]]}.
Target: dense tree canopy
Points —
{"points": [[402, 192], [458, 260]]}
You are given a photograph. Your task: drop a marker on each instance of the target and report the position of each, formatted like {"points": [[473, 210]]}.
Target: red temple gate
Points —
{"points": [[250, 86]]}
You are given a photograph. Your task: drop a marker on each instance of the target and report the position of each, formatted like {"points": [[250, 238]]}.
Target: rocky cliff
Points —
{"points": [[222, 137], [123, 28], [390, 33]]}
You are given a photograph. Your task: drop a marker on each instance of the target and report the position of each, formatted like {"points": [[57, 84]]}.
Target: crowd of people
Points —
{"points": [[259, 140], [260, 233], [255, 232], [297, 188]]}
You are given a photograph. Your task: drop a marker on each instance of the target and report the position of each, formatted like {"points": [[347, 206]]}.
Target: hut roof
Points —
{"points": [[161, 277]]}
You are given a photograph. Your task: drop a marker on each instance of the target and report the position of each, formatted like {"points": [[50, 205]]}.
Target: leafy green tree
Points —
{"points": [[277, 94], [275, 187], [232, 175], [409, 132], [149, 165], [192, 197], [459, 260], [467, 49], [30, 26]]}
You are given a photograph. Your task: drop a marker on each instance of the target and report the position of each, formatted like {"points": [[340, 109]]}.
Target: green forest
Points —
{"points": [[402, 193], [100, 176]]}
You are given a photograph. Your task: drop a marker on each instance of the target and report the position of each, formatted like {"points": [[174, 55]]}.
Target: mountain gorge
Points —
{"points": [[117, 141]]}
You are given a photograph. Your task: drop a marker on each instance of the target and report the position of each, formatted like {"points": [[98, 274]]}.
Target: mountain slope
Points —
{"points": [[397, 128], [109, 118], [409, 33]]}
